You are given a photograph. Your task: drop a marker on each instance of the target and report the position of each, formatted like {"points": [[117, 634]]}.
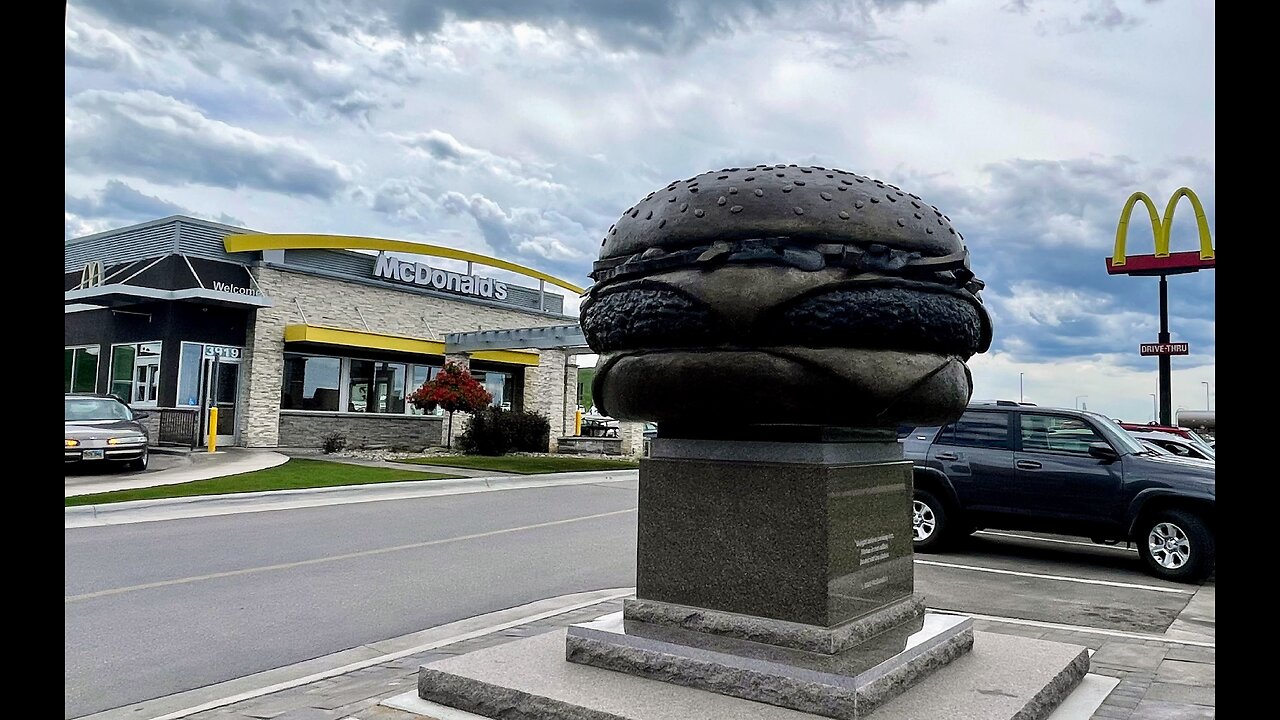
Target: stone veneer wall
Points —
{"points": [[152, 423], [570, 399], [333, 303], [544, 392], [409, 433], [632, 436], [571, 445]]}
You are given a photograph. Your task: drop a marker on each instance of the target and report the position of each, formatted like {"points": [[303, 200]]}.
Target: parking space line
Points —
{"points": [[1078, 628], [1054, 540], [1086, 581]]}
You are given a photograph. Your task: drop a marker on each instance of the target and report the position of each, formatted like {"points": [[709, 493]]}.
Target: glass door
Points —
{"points": [[220, 388], [226, 390]]}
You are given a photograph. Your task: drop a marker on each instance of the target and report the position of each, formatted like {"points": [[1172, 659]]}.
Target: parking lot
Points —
{"points": [[1052, 579], [1155, 638]]}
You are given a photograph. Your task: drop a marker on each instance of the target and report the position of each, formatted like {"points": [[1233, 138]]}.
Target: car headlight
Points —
{"points": [[72, 443], [127, 440]]}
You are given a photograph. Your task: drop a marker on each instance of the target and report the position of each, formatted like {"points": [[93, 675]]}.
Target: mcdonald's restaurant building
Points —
{"points": [[293, 344]]}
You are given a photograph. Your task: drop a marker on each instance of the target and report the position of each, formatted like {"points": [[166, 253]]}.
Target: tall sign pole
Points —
{"points": [[1163, 264], [1166, 369]]}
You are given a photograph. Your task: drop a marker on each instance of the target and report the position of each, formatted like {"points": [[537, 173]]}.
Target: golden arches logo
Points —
{"points": [[1161, 227], [91, 275]]}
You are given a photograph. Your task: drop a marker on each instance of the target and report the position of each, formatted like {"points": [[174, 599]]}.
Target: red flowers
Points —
{"points": [[453, 390]]}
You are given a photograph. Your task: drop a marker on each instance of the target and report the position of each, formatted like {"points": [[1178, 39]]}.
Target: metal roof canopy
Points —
{"points": [[553, 337], [121, 295]]}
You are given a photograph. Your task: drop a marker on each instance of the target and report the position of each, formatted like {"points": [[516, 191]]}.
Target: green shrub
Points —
{"points": [[494, 431], [333, 442]]}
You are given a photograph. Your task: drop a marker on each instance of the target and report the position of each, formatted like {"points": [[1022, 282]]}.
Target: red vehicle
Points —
{"points": [[1182, 441], [1152, 427]]}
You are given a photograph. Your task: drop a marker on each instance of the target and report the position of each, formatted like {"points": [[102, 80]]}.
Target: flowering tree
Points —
{"points": [[452, 390]]}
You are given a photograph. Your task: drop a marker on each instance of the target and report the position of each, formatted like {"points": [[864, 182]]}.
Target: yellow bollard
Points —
{"points": [[577, 423], [213, 429]]}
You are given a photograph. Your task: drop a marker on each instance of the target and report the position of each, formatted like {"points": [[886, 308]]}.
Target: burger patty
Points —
{"points": [[879, 317], [646, 318]]}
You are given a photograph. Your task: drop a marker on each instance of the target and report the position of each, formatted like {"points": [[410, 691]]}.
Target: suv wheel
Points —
{"points": [[1177, 545], [928, 521]]}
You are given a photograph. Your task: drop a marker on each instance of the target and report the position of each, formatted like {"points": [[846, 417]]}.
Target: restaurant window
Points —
{"points": [[418, 375], [135, 373], [375, 387], [189, 361], [500, 385], [310, 382], [80, 369]]}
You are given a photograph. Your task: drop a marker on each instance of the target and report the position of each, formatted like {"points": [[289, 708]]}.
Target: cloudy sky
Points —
{"points": [[523, 128]]}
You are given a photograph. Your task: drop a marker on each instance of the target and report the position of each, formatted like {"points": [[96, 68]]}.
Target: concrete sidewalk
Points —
{"points": [[139, 511], [201, 466], [1143, 678]]}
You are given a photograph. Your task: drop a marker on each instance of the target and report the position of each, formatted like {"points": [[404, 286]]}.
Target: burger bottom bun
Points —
{"points": [[837, 387]]}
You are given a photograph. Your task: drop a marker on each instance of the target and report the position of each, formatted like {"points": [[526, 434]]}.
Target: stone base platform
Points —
{"points": [[848, 685], [1002, 678]]}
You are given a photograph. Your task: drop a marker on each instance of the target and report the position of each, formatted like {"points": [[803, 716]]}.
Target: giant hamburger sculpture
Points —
{"points": [[780, 294]]}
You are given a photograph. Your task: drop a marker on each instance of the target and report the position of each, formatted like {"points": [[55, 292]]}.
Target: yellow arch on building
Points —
{"points": [[1162, 229], [248, 242]]}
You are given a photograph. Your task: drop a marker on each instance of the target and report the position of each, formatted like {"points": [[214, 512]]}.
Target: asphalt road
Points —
{"points": [[156, 608]]}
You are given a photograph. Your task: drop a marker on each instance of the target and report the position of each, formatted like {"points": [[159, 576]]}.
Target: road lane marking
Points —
{"points": [[1078, 628], [1063, 578], [1053, 540], [334, 558]]}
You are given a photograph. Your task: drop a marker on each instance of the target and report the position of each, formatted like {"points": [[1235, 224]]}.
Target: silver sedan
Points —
{"points": [[100, 428]]}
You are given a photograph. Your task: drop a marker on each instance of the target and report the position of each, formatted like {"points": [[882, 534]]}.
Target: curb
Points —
{"points": [[136, 511]]}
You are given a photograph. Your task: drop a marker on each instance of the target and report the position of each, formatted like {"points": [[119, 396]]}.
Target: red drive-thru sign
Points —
{"points": [[1164, 348]]}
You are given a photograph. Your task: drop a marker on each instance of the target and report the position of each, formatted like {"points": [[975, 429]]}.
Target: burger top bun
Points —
{"points": [[806, 204]]}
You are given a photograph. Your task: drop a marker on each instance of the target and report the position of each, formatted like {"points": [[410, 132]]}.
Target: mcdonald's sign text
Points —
{"points": [[1164, 349]]}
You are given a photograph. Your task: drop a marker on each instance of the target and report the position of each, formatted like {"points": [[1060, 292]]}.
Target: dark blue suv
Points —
{"points": [[1061, 471]]}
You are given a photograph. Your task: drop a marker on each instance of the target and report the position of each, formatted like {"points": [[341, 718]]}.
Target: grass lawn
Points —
{"points": [[525, 465], [294, 474]]}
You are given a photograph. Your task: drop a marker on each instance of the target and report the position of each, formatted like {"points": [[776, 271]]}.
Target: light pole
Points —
{"points": [[1155, 412], [1019, 387], [1205, 383], [1078, 400]]}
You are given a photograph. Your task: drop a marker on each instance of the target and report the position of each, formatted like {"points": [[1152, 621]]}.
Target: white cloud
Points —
{"points": [[153, 136], [448, 153], [1111, 388], [97, 48]]}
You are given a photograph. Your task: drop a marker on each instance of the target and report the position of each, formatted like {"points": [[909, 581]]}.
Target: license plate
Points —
{"points": [[93, 455]]}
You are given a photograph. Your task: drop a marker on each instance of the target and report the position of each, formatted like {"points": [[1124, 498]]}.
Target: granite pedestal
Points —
{"points": [[779, 572]]}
